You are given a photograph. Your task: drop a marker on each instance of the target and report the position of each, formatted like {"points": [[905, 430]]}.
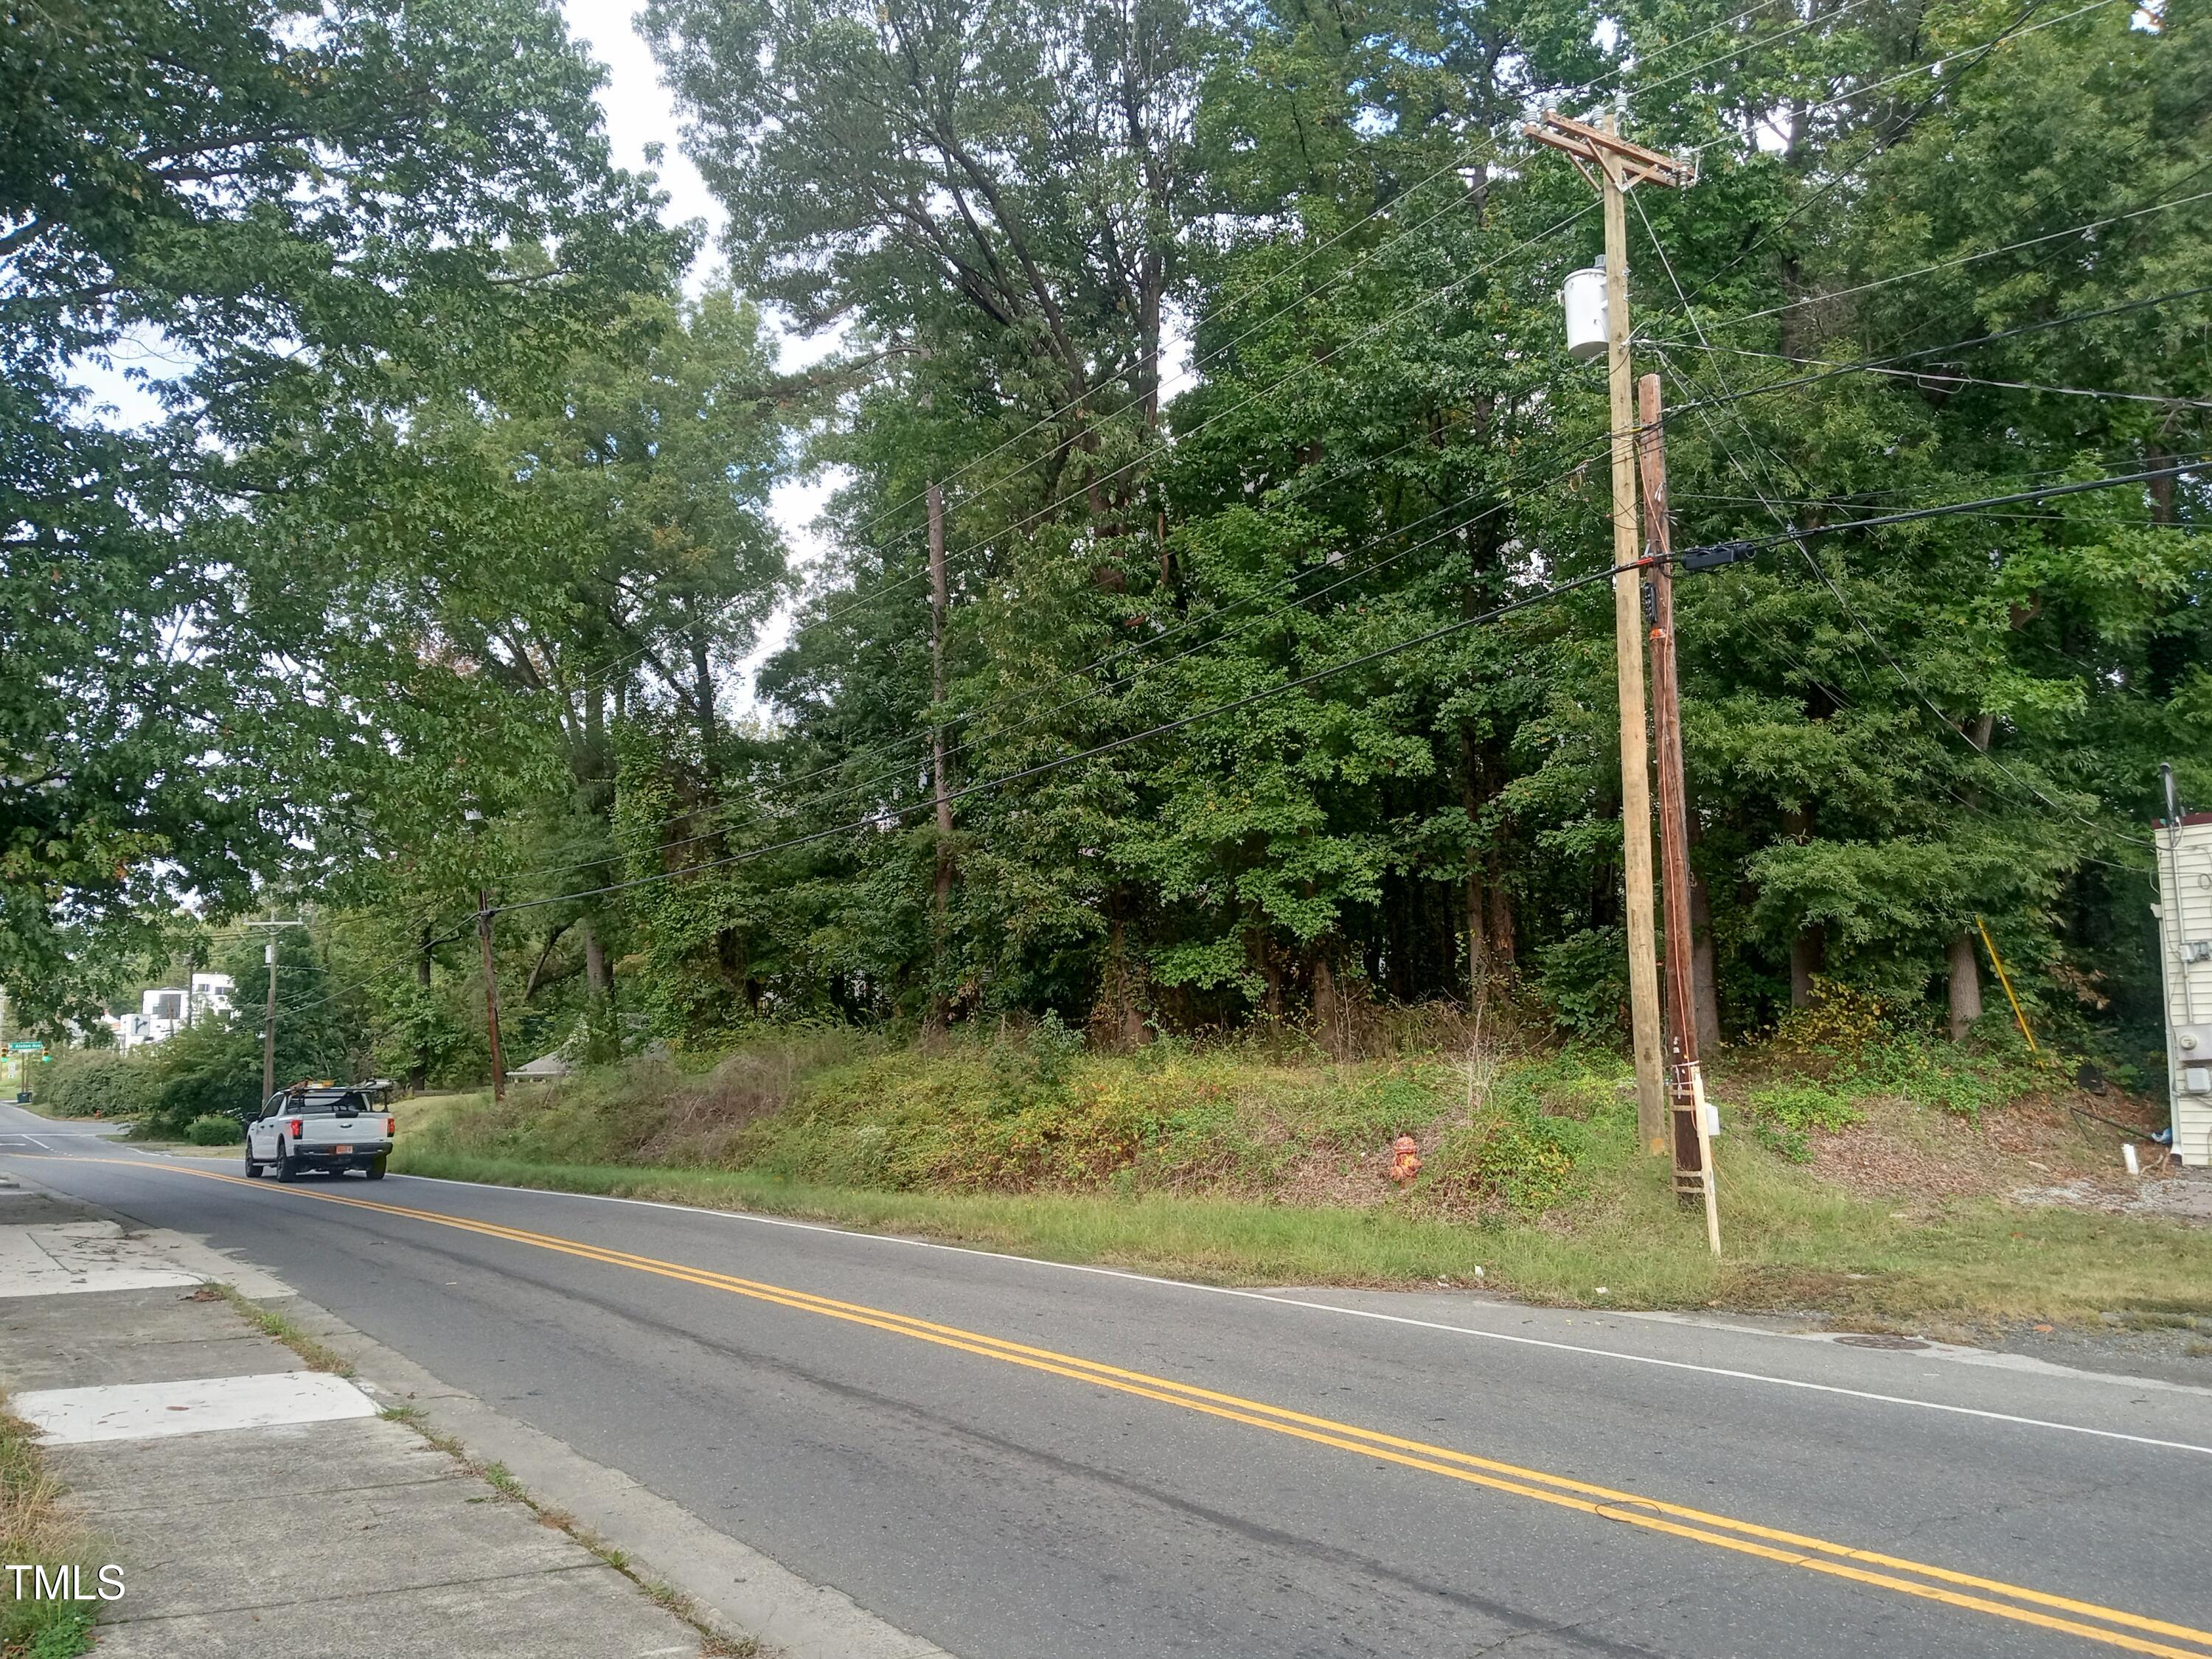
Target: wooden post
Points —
{"points": [[491, 994], [269, 1022], [1615, 166], [1691, 1143], [418, 1076], [939, 603], [1628, 655]]}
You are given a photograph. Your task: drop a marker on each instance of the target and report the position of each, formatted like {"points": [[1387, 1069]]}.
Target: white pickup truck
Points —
{"points": [[321, 1125]]}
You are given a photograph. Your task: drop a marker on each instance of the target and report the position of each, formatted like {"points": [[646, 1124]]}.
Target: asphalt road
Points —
{"points": [[1017, 1459]]}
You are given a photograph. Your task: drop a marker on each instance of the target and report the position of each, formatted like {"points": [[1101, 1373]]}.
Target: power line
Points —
{"points": [[1919, 375], [1702, 557], [876, 821], [1684, 299], [1980, 49], [1687, 556], [2067, 320], [866, 784], [1690, 555], [1878, 146], [1293, 489], [1968, 258], [1813, 565], [1122, 653], [1457, 163], [1261, 396]]}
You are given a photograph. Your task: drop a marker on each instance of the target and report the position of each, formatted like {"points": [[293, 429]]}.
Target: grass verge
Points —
{"points": [[713, 1643], [37, 1529], [320, 1356], [1792, 1246]]}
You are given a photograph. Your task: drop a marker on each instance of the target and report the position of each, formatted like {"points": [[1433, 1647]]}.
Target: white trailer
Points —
{"points": [[2185, 937]]}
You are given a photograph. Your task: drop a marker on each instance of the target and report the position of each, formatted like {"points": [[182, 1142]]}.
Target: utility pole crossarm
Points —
{"points": [[1593, 147]]}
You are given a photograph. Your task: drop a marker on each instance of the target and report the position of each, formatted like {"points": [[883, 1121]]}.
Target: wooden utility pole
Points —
{"points": [[1685, 1093], [269, 1011], [1615, 167], [269, 1022], [939, 603], [491, 994], [418, 1078]]}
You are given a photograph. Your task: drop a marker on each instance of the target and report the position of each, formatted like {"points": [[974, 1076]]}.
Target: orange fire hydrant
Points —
{"points": [[1405, 1159]]}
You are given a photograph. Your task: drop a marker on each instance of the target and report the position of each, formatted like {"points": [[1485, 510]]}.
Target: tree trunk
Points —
{"points": [[1966, 987], [1807, 953], [1118, 1017], [1704, 983], [1478, 935], [1501, 918], [418, 1076], [1809, 949], [710, 732], [1259, 952], [598, 979], [1327, 1005]]}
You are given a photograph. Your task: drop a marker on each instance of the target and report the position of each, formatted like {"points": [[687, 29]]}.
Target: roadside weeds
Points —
{"points": [[270, 1322], [37, 1528], [713, 1644]]}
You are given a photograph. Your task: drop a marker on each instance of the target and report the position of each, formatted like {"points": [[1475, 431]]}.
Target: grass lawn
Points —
{"points": [[1786, 1250]]}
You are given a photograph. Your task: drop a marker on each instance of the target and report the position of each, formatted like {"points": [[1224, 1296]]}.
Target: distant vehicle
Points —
{"points": [[329, 1126]]}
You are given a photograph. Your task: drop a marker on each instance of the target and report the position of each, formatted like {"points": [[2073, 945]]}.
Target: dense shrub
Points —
{"points": [[1583, 982], [101, 1083], [1782, 1117], [215, 1132], [1514, 1157]]}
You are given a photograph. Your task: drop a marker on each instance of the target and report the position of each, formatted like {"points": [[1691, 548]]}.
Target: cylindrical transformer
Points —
{"points": [[1584, 299]]}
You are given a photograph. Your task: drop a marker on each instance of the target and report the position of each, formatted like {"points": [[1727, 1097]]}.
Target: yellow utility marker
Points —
{"points": [[1842, 1561]]}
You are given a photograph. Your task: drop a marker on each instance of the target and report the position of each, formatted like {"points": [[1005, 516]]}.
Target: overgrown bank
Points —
{"points": [[1885, 1187]]}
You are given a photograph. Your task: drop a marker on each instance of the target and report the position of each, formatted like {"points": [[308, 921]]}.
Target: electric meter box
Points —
{"points": [[1583, 296], [2185, 939]]}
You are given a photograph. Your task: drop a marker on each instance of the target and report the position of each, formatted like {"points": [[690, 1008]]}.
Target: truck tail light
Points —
{"points": [[391, 1128], [295, 1128]]}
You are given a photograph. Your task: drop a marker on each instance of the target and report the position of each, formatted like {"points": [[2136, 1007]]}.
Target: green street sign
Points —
{"points": [[27, 1047]]}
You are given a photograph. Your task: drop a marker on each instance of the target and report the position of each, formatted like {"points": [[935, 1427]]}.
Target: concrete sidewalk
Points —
{"points": [[259, 1508]]}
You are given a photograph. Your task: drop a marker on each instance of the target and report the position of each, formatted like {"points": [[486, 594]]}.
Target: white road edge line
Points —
{"points": [[1399, 1319], [1392, 1319]]}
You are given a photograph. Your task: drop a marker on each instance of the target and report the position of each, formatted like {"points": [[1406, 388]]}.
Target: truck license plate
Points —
{"points": [[341, 1149]]}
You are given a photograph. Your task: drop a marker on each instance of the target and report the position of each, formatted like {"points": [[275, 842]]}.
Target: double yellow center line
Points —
{"points": [[2114, 1626]]}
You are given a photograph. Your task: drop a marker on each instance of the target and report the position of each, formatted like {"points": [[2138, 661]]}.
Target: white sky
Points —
{"points": [[640, 111]]}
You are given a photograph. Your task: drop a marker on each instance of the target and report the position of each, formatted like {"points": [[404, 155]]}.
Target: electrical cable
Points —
{"points": [[1813, 565], [1189, 370], [866, 784], [875, 820], [2180, 466], [1928, 374], [1559, 590], [1878, 145], [1291, 490], [1971, 258], [1955, 345], [1120, 653]]}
